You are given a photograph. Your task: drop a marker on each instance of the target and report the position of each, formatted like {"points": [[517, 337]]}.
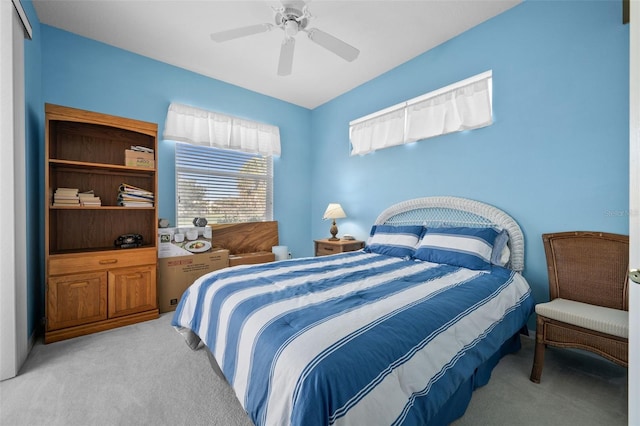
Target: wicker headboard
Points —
{"points": [[455, 211]]}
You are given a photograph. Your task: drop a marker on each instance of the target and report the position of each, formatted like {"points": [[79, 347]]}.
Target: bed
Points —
{"points": [[400, 332]]}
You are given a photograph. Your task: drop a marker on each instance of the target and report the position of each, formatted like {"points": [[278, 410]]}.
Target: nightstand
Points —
{"points": [[326, 246]]}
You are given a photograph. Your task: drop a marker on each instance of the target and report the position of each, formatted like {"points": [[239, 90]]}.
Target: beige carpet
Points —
{"points": [[145, 374]]}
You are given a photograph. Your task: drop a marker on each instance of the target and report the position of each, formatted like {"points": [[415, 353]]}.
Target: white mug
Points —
{"points": [[178, 238], [207, 232]]}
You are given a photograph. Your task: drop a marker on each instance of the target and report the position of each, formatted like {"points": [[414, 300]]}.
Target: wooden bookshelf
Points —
{"points": [[91, 285]]}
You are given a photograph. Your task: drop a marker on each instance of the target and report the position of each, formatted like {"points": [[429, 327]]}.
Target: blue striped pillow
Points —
{"points": [[398, 241], [499, 257], [469, 248]]}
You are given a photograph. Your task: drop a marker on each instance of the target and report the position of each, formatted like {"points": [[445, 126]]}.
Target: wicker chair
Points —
{"points": [[589, 296]]}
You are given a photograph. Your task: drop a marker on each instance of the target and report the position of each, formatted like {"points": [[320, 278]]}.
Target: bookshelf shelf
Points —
{"points": [[97, 167], [60, 256], [91, 285], [100, 208]]}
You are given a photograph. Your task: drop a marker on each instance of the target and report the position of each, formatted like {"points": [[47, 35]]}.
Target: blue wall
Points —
{"points": [[94, 76], [556, 157]]}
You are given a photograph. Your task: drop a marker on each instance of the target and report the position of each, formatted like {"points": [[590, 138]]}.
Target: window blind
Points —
{"points": [[222, 185]]}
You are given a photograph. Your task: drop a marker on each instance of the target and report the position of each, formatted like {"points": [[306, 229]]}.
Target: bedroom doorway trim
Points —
{"points": [[14, 338]]}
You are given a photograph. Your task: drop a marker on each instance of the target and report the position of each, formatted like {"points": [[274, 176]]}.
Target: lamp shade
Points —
{"points": [[334, 211]]}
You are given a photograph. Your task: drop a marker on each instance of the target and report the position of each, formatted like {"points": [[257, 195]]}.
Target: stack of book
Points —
{"points": [[139, 156], [66, 197], [88, 199], [131, 196]]}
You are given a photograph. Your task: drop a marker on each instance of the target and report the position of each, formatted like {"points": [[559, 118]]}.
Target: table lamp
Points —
{"points": [[334, 211]]}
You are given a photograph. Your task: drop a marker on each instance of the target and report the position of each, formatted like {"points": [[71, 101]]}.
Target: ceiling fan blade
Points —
{"points": [[240, 32], [285, 63], [275, 5], [296, 4], [337, 46]]}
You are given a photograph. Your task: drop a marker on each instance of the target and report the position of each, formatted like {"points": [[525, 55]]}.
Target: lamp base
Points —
{"points": [[334, 231]]}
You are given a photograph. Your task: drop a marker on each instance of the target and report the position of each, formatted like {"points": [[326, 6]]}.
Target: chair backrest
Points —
{"points": [[588, 267]]}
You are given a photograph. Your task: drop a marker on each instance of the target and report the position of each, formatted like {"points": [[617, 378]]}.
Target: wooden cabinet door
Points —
{"points": [[132, 290], [76, 299]]}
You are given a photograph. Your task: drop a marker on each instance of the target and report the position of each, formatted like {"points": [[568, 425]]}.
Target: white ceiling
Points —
{"points": [[387, 33]]}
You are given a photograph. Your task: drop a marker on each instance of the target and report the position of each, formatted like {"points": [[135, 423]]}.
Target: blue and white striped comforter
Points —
{"points": [[353, 338]]}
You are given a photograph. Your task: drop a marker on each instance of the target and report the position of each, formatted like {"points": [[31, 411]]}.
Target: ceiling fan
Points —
{"points": [[291, 17]]}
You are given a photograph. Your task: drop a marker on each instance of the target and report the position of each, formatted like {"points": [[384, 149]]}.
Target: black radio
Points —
{"points": [[128, 241]]}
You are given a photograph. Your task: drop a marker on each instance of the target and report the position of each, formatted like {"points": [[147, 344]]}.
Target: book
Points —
{"points": [[65, 197], [132, 196], [134, 204], [62, 190], [141, 148], [66, 204], [88, 198], [90, 201], [125, 187]]}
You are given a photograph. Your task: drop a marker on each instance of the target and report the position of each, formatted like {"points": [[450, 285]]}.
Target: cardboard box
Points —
{"points": [[129, 153], [144, 160], [142, 163], [181, 263], [177, 273]]}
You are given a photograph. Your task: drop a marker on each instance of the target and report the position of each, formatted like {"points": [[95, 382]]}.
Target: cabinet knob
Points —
{"points": [[108, 261]]}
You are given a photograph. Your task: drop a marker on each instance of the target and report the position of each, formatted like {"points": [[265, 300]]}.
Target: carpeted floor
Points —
{"points": [[145, 374]]}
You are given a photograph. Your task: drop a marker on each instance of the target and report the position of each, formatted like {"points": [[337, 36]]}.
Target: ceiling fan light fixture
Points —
{"points": [[291, 28]]}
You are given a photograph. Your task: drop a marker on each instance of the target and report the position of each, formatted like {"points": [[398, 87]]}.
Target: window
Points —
{"points": [[464, 105], [224, 165], [222, 185]]}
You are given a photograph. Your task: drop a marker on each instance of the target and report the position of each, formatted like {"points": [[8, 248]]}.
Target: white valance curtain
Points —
{"points": [[460, 106], [378, 132], [201, 127]]}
